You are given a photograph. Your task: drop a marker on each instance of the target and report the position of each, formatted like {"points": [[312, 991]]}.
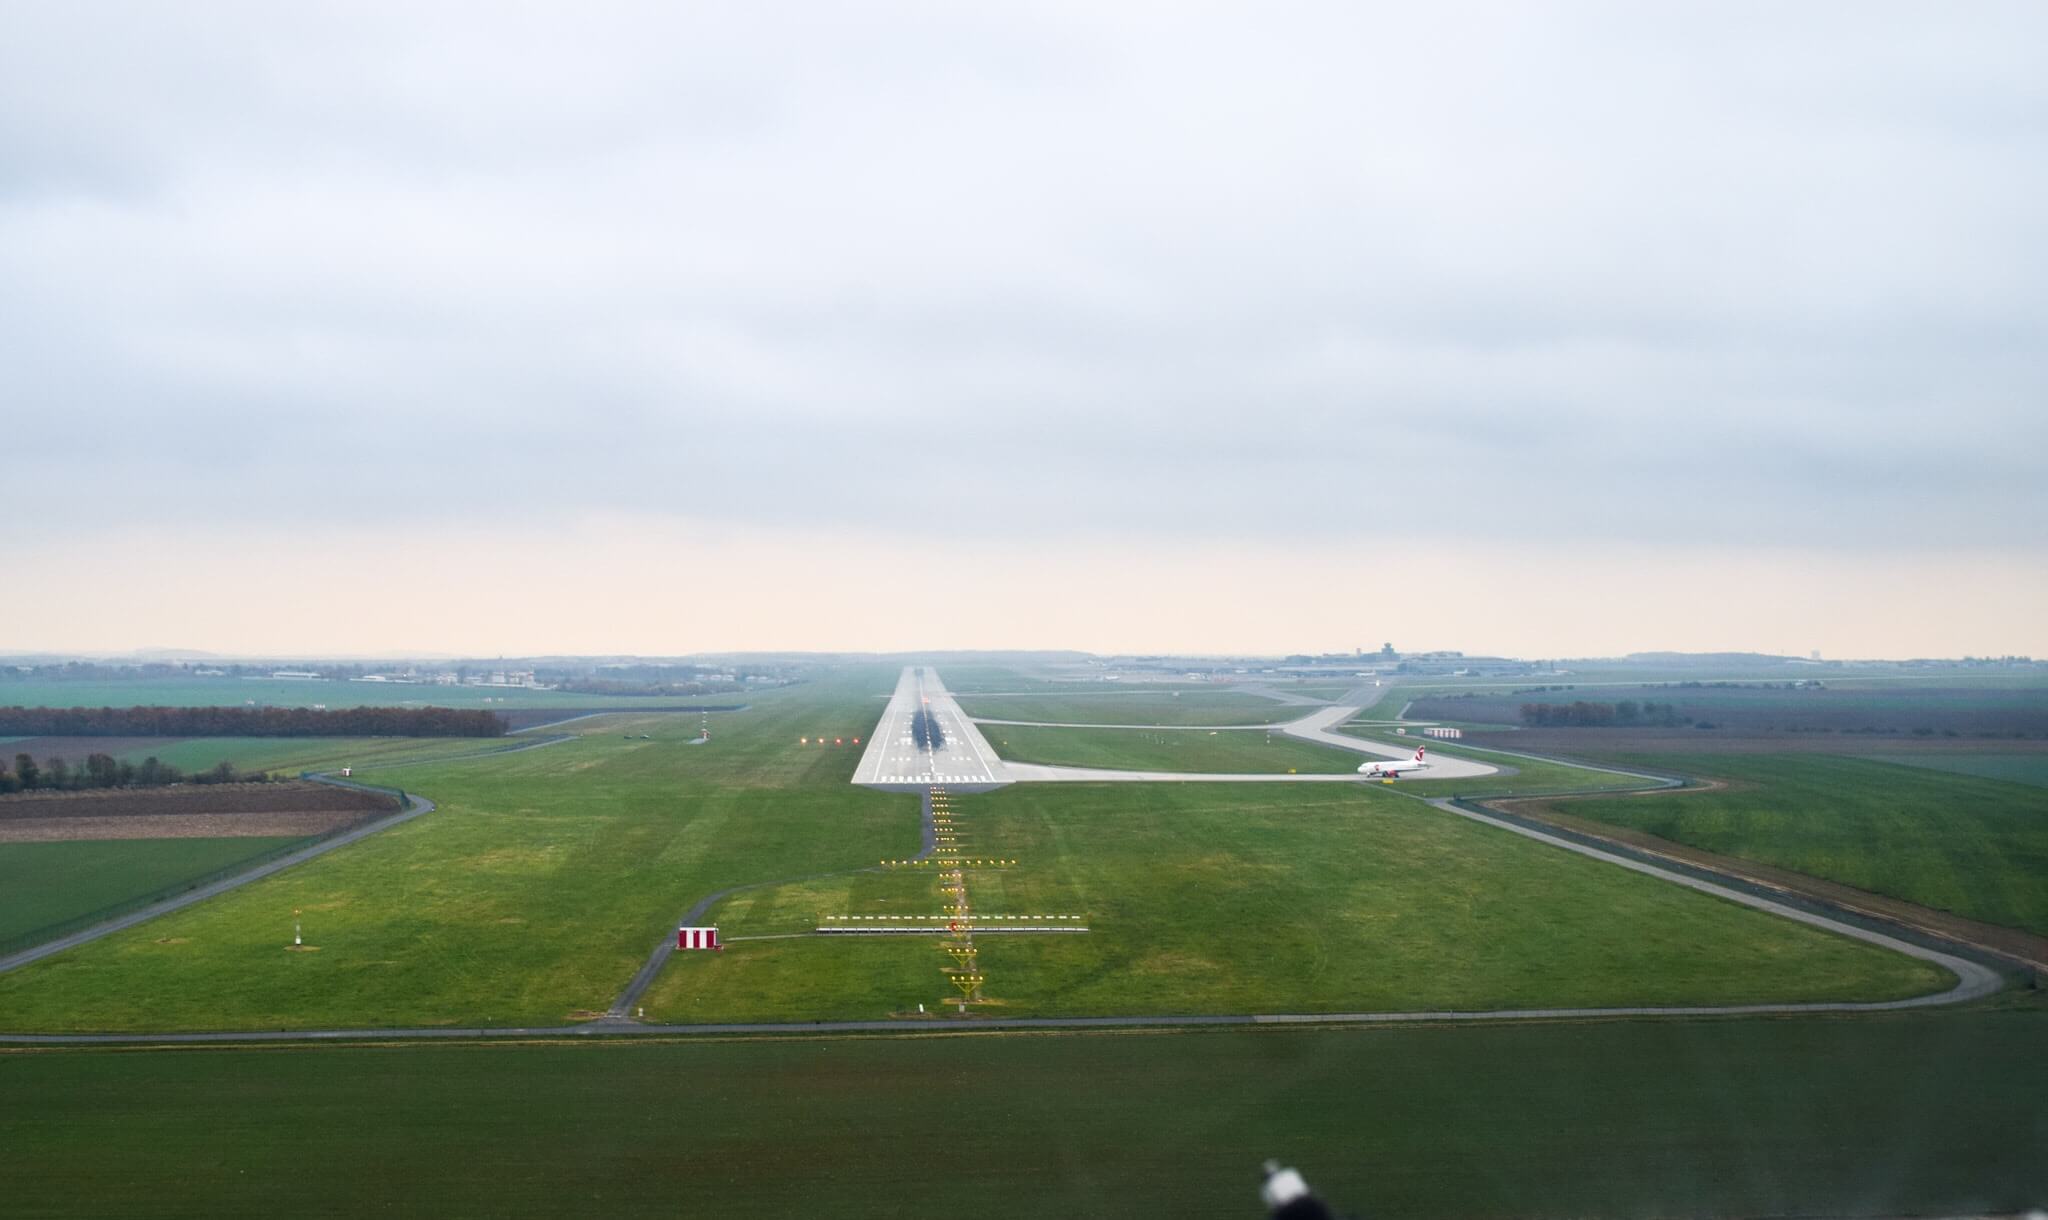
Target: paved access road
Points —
{"points": [[1320, 727]]}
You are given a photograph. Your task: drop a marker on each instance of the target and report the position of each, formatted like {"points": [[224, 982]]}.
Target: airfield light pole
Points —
{"points": [[296, 941]]}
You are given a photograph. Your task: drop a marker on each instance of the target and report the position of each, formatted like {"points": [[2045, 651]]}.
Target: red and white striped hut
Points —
{"points": [[698, 938]]}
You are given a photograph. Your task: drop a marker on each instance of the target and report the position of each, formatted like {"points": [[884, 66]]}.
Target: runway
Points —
{"points": [[961, 757]]}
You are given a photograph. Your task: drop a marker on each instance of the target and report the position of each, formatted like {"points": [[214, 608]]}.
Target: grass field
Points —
{"points": [[544, 878], [1618, 1119], [1216, 750], [293, 754], [234, 692], [2012, 768], [1530, 776], [534, 891], [1977, 847], [1197, 707], [42, 884], [1269, 898], [1846, 708]]}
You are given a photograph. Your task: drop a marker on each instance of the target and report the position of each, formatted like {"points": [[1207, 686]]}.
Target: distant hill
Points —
{"points": [[1710, 658]]}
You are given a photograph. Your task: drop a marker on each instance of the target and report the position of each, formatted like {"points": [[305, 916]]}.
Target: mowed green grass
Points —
{"points": [[1240, 898], [1923, 1114], [1248, 751], [535, 890], [1977, 847], [293, 754], [235, 692], [1195, 707], [42, 884], [2013, 768], [1529, 777]]}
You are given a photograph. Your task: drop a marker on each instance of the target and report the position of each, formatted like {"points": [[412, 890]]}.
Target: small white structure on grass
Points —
{"points": [[698, 938]]}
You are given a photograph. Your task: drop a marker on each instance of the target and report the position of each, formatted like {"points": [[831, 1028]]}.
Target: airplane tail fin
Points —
{"points": [[1418, 752]]}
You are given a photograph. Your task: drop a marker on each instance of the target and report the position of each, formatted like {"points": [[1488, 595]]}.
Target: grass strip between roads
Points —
{"points": [[1247, 751]]}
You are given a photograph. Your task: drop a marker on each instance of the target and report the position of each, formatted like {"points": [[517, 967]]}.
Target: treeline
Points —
{"points": [[1626, 714], [249, 722], [103, 771]]}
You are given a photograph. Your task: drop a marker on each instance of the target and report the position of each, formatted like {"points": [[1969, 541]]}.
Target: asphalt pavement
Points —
{"points": [[893, 759]]}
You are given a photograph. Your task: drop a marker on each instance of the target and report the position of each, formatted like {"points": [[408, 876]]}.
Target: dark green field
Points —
{"points": [[1977, 847], [1849, 708], [1613, 1119], [281, 692], [292, 754], [2012, 767], [1246, 751], [47, 883], [1194, 707]]}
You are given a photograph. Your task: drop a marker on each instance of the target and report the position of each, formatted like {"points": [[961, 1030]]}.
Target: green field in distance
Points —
{"points": [[1197, 707], [284, 692], [1248, 751], [1977, 847], [2013, 768], [293, 754]]}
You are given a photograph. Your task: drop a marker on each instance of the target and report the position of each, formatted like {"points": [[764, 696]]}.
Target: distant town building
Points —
{"points": [[1437, 730]]}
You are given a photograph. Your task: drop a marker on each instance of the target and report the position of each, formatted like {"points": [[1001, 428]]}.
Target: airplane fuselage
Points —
{"points": [[1393, 768]]}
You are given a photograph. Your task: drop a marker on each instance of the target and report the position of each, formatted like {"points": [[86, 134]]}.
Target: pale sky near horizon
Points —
{"points": [[1552, 330]]}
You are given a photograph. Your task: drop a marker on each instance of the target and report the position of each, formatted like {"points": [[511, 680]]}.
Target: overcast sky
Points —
{"points": [[1549, 329]]}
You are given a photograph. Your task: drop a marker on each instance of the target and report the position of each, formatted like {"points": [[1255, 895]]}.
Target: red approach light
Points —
{"points": [[856, 741], [839, 741]]}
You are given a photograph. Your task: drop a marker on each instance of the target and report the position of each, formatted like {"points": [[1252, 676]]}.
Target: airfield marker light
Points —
{"points": [[803, 741]]}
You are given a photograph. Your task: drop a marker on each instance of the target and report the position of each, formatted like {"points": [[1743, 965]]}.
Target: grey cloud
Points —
{"points": [[1727, 274]]}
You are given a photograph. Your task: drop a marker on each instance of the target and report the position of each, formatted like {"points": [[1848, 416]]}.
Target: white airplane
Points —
{"points": [[1392, 768]]}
